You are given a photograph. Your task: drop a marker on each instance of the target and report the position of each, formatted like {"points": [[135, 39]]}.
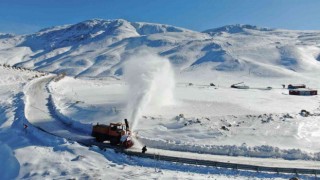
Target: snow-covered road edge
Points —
{"points": [[56, 112], [36, 132], [232, 150]]}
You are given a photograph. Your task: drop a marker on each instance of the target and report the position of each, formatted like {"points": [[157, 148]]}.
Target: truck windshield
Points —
{"points": [[118, 127], [114, 128], [121, 127]]}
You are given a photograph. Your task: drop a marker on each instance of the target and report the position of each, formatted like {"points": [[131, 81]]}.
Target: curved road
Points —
{"points": [[39, 113]]}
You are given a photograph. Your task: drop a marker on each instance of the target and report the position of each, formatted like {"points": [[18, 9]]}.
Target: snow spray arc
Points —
{"points": [[151, 84]]}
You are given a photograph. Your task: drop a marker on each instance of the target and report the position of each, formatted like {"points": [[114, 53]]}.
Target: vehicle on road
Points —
{"points": [[118, 134]]}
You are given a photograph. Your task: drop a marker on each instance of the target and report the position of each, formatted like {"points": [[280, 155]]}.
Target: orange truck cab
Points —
{"points": [[116, 133]]}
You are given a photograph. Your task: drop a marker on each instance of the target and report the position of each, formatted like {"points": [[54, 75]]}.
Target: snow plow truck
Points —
{"points": [[118, 134]]}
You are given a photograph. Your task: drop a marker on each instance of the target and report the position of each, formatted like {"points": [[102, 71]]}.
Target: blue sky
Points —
{"points": [[27, 16]]}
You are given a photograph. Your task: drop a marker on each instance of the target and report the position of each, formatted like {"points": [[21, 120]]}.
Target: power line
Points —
{"points": [[43, 111]]}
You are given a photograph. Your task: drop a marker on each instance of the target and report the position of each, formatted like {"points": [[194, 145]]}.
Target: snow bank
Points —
{"points": [[35, 132], [215, 173], [55, 112], [231, 150], [9, 168]]}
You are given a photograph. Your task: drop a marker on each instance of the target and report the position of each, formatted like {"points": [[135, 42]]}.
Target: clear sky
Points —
{"points": [[27, 16]]}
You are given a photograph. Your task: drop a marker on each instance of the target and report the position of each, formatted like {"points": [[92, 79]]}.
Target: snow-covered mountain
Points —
{"points": [[98, 48], [238, 28]]}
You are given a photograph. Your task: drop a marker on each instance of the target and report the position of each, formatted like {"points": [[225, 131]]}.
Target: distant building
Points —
{"points": [[240, 86], [303, 92], [296, 86]]}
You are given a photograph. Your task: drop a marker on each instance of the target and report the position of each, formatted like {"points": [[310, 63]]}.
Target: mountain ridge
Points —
{"points": [[98, 48]]}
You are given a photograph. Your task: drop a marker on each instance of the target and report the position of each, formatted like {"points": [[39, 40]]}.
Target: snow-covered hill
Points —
{"points": [[98, 48]]}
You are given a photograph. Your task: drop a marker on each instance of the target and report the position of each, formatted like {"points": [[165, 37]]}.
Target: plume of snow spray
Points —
{"points": [[151, 84]]}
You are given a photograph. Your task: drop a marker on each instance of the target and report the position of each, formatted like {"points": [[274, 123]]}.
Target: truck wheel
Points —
{"points": [[114, 141], [99, 139]]}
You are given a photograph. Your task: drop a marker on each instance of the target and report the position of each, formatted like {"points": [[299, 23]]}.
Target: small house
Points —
{"points": [[303, 92], [296, 86]]}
